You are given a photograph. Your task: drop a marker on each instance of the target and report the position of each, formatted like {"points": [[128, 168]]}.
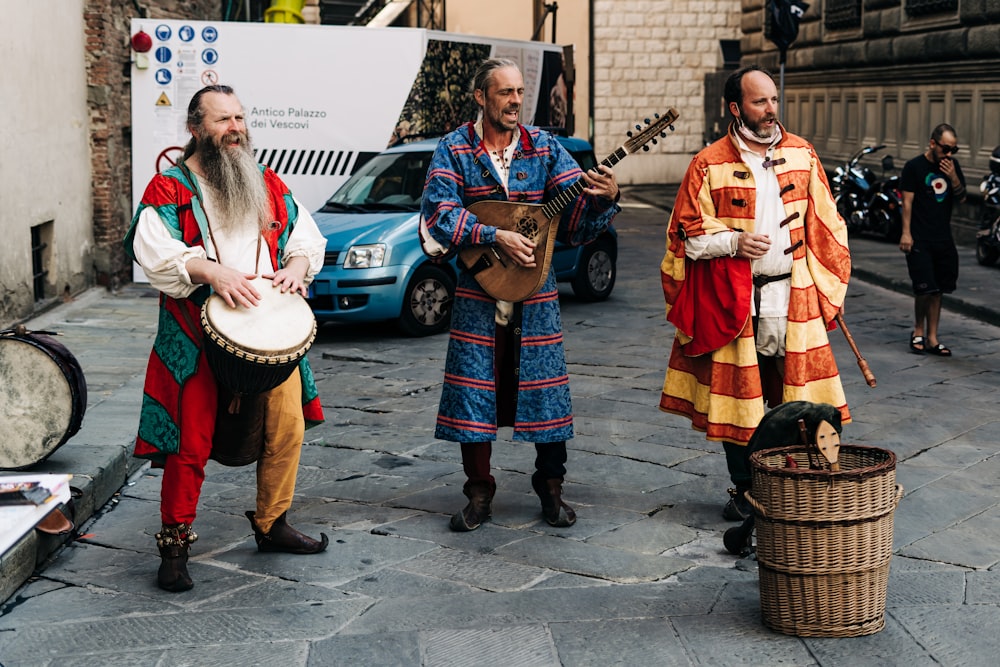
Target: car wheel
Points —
{"points": [[595, 275], [427, 302]]}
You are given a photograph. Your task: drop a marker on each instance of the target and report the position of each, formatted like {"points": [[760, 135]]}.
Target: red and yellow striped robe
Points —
{"points": [[712, 377]]}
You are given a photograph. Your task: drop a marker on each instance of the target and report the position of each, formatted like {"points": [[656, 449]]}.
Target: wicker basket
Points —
{"points": [[824, 540]]}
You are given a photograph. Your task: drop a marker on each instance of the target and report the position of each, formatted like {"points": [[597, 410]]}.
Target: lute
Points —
{"points": [[498, 274]]}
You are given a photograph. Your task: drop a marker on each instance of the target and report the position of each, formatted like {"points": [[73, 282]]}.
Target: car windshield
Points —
{"points": [[387, 182]]}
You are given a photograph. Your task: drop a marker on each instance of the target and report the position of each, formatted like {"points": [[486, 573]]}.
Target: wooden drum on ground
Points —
{"points": [[253, 350], [43, 396]]}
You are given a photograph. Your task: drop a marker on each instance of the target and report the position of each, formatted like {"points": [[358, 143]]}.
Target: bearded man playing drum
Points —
{"points": [[200, 229]]}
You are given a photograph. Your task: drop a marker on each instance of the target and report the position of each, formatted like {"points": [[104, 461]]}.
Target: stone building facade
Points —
{"points": [[869, 72], [650, 55]]}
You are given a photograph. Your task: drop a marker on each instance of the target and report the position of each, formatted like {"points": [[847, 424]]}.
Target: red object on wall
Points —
{"points": [[142, 42]]}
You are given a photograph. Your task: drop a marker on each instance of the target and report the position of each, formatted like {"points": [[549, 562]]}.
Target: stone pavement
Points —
{"points": [[641, 579]]}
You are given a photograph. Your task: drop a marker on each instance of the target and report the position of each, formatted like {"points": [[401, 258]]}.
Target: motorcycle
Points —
{"points": [[869, 205], [988, 237]]}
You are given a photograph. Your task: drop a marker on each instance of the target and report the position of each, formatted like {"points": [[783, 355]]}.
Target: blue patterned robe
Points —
{"points": [[461, 173]]}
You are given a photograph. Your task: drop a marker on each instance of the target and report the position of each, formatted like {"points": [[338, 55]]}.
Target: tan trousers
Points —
{"points": [[277, 468]]}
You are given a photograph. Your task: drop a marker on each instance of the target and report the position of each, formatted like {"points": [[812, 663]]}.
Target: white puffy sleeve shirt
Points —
{"points": [[164, 258]]}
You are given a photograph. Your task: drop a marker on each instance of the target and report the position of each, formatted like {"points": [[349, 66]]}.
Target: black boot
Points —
{"points": [[479, 488], [173, 543], [282, 538], [479, 509], [738, 463], [554, 510]]}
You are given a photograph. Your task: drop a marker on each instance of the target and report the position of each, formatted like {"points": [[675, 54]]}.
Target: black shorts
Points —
{"points": [[933, 267]]}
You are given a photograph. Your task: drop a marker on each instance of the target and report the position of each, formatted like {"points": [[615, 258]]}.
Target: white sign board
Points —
{"points": [[319, 100]]}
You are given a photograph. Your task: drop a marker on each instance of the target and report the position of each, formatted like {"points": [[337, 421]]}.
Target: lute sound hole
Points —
{"points": [[527, 227]]}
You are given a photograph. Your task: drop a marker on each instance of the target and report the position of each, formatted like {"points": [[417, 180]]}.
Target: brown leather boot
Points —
{"points": [[173, 543], [479, 509], [555, 512], [282, 538]]}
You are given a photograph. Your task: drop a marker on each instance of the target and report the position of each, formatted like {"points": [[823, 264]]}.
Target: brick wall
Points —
{"points": [[650, 55], [107, 28]]}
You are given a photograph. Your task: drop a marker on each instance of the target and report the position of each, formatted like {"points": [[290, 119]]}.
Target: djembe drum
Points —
{"points": [[251, 351]]}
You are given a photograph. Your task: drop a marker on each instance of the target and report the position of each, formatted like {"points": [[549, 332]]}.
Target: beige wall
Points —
{"points": [[514, 19], [45, 170], [649, 56]]}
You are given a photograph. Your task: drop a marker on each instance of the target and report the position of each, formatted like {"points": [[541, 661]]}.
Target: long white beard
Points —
{"points": [[241, 197]]}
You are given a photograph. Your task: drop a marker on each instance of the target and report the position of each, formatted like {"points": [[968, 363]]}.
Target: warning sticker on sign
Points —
{"points": [[163, 100]]}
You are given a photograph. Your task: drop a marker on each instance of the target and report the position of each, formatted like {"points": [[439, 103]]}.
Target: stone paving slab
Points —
{"points": [[434, 529], [719, 639], [392, 582], [649, 535], [591, 560], [351, 554], [893, 645], [641, 450], [954, 635], [979, 542], [162, 631], [912, 587], [525, 646], [536, 606], [388, 648], [480, 571], [628, 642], [934, 508]]}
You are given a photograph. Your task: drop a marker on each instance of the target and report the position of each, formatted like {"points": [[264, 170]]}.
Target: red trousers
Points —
{"points": [[284, 430]]}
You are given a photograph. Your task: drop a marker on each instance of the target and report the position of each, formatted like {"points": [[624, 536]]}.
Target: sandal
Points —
{"points": [[939, 350], [917, 344]]}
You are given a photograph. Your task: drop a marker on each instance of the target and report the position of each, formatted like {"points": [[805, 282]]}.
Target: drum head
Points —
{"points": [[282, 323], [36, 403]]}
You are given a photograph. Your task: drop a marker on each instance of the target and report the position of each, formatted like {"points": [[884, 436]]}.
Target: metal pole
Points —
{"points": [[781, 101], [781, 86], [554, 9]]}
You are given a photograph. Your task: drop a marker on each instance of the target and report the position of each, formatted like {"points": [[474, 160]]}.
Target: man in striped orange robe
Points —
{"points": [[755, 272]]}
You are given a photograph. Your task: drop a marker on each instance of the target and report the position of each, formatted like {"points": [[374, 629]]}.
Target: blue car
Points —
{"points": [[375, 269]]}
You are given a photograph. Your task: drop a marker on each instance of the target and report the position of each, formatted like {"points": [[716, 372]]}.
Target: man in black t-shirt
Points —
{"points": [[931, 183]]}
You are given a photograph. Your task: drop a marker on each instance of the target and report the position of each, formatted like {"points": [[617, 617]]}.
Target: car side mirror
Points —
{"points": [[887, 164]]}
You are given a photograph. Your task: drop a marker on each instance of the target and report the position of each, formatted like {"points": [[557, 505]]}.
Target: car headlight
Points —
{"points": [[365, 256]]}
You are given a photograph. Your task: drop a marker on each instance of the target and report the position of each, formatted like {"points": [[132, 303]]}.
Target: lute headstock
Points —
{"points": [[655, 128]]}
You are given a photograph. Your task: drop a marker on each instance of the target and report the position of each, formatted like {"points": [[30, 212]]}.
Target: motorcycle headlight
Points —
{"points": [[365, 256]]}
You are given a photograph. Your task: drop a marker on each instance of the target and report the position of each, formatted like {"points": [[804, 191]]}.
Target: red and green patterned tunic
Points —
{"points": [[177, 347]]}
